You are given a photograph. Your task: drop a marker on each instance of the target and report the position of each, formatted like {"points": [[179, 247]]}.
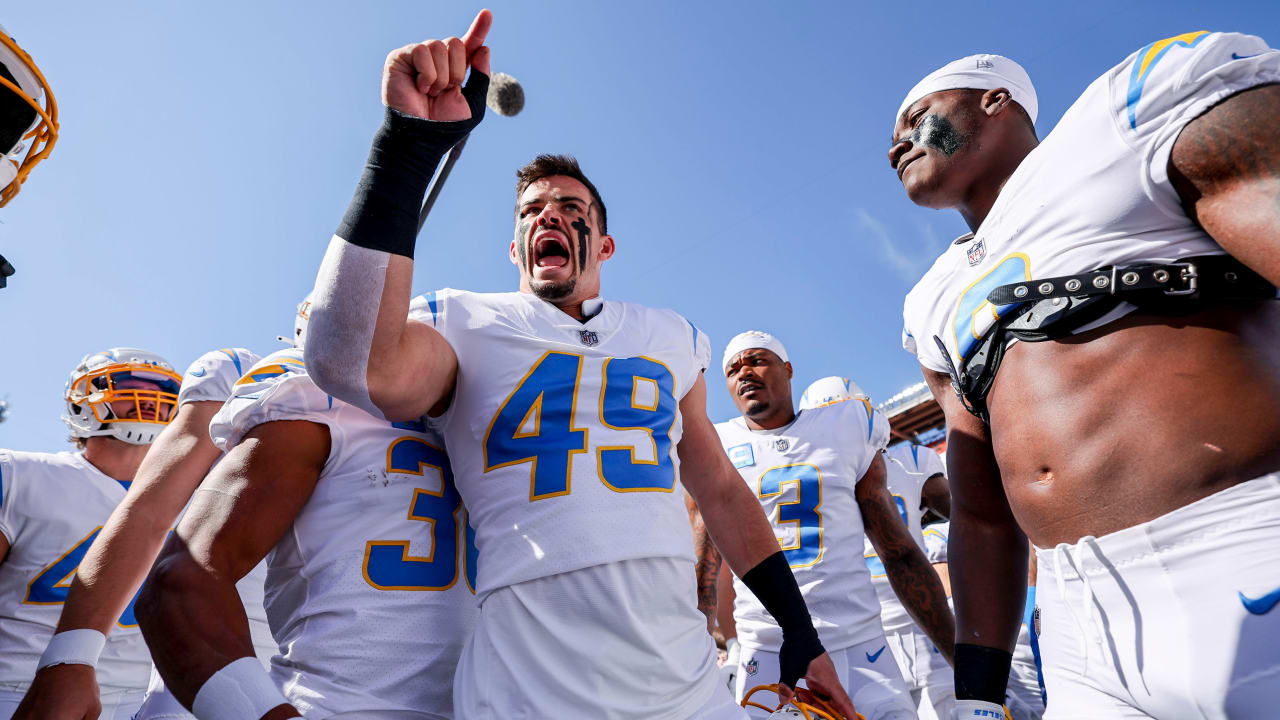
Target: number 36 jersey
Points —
{"points": [[804, 475], [563, 434], [369, 592]]}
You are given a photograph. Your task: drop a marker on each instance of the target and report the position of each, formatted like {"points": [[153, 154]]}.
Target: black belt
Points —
{"points": [[1219, 276], [1051, 308]]}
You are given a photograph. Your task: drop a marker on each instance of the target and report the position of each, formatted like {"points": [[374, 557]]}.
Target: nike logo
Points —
{"points": [[876, 656], [1262, 605], [1242, 57]]}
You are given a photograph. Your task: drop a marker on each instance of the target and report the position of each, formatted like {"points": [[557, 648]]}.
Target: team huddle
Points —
{"points": [[515, 505]]}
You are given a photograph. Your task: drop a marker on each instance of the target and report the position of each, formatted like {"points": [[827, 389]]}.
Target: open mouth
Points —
{"points": [[550, 250], [749, 387]]}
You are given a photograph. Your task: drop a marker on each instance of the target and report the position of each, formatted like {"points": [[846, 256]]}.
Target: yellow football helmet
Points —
{"points": [[28, 126], [796, 709]]}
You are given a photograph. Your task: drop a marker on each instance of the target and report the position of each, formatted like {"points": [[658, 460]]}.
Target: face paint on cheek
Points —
{"points": [[522, 242], [937, 132], [584, 234]]}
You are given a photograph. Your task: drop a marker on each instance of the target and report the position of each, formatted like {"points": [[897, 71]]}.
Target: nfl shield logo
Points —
{"points": [[781, 444], [753, 666], [977, 251], [588, 338]]}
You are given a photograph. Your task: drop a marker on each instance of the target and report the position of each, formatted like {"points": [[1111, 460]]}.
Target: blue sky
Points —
{"points": [[209, 150]]}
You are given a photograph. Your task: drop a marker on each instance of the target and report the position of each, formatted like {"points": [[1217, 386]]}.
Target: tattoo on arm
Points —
{"points": [[708, 569], [913, 579]]}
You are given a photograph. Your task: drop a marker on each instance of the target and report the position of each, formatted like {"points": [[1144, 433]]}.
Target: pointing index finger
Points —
{"points": [[475, 36]]}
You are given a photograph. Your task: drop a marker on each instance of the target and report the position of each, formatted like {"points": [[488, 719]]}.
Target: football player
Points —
{"points": [[120, 557], [53, 506], [915, 479], [1024, 697], [570, 421], [28, 123], [819, 475], [1105, 345], [371, 567]]}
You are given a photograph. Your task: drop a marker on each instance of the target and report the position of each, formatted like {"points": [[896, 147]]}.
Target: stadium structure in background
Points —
{"points": [[914, 416]]}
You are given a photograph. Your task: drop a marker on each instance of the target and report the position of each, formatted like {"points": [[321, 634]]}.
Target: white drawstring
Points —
{"points": [[1088, 608]]}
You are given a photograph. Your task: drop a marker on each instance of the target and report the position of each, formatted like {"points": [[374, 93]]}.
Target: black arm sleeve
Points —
{"points": [[775, 587], [383, 214]]}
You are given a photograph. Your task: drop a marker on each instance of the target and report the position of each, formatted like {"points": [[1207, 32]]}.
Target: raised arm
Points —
{"points": [[737, 524], [189, 610], [912, 577], [118, 561], [987, 556], [361, 348], [1225, 166]]}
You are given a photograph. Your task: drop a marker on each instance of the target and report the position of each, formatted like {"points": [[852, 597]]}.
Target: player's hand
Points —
{"points": [[61, 692], [425, 80], [824, 683]]}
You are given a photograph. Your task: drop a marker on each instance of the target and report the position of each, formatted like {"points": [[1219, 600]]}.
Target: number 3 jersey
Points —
{"points": [[52, 506], [1095, 193], [369, 592], [563, 434], [804, 475]]}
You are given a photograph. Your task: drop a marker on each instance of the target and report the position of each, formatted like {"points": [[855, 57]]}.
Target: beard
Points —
{"points": [[552, 291], [757, 408]]}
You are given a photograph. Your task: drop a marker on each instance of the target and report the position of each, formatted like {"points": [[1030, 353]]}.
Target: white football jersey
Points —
{"points": [[52, 506], [804, 475], [907, 467], [210, 379], [563, 434], [369, 594], [1094, 193]]}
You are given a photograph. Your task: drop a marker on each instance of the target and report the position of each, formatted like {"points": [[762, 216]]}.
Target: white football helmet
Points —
{"points": [[300, 321], [28, 117], [102, 380], [829, 391], [796, 709]]}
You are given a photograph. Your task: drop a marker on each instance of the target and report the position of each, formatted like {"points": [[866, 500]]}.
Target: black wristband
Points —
{"points": [[775, 587], [981, 673], [383, 214]]}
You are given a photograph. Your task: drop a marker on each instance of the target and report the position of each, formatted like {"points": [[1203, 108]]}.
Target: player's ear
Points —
{"points": [[994, 101], [606, 248], [787, 365], [511, 253]]}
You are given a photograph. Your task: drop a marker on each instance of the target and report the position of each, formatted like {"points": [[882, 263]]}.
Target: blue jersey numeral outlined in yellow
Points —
{"points": [[387, 563], [536, 424], [51, 585], [805, 511], [974, 314]]}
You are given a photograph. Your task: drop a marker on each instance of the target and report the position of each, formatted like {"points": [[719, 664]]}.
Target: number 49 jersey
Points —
{"points": [[804, 475], [369, 593], [563, 434]]}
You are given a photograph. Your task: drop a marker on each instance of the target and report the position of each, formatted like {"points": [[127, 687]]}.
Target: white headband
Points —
{"points": [[750, 340], [978, 72]]}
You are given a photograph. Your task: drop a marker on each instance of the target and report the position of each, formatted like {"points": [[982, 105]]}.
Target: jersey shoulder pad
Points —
{"points": [[213, 374], [1159, 83], [429, 308], [275, 388]]}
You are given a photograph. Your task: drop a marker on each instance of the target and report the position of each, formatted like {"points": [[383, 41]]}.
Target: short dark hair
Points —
{"points": [[566, 165]]}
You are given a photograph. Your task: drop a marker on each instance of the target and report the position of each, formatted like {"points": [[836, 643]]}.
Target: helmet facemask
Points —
{"points": [[101, 400], [28, 128]]}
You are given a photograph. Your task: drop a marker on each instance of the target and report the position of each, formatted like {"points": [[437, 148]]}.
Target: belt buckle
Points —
{"points": [[1189, 275]]}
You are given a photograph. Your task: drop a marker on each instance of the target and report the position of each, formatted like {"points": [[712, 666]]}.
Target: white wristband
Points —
{"points": [[978, 710], [241, 690], [73, 647]]}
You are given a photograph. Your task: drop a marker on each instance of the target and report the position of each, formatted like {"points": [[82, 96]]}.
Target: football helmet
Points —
{"points": [[101, 400], [818, 709], [28, 117], [829, 391], [300, 321]]}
